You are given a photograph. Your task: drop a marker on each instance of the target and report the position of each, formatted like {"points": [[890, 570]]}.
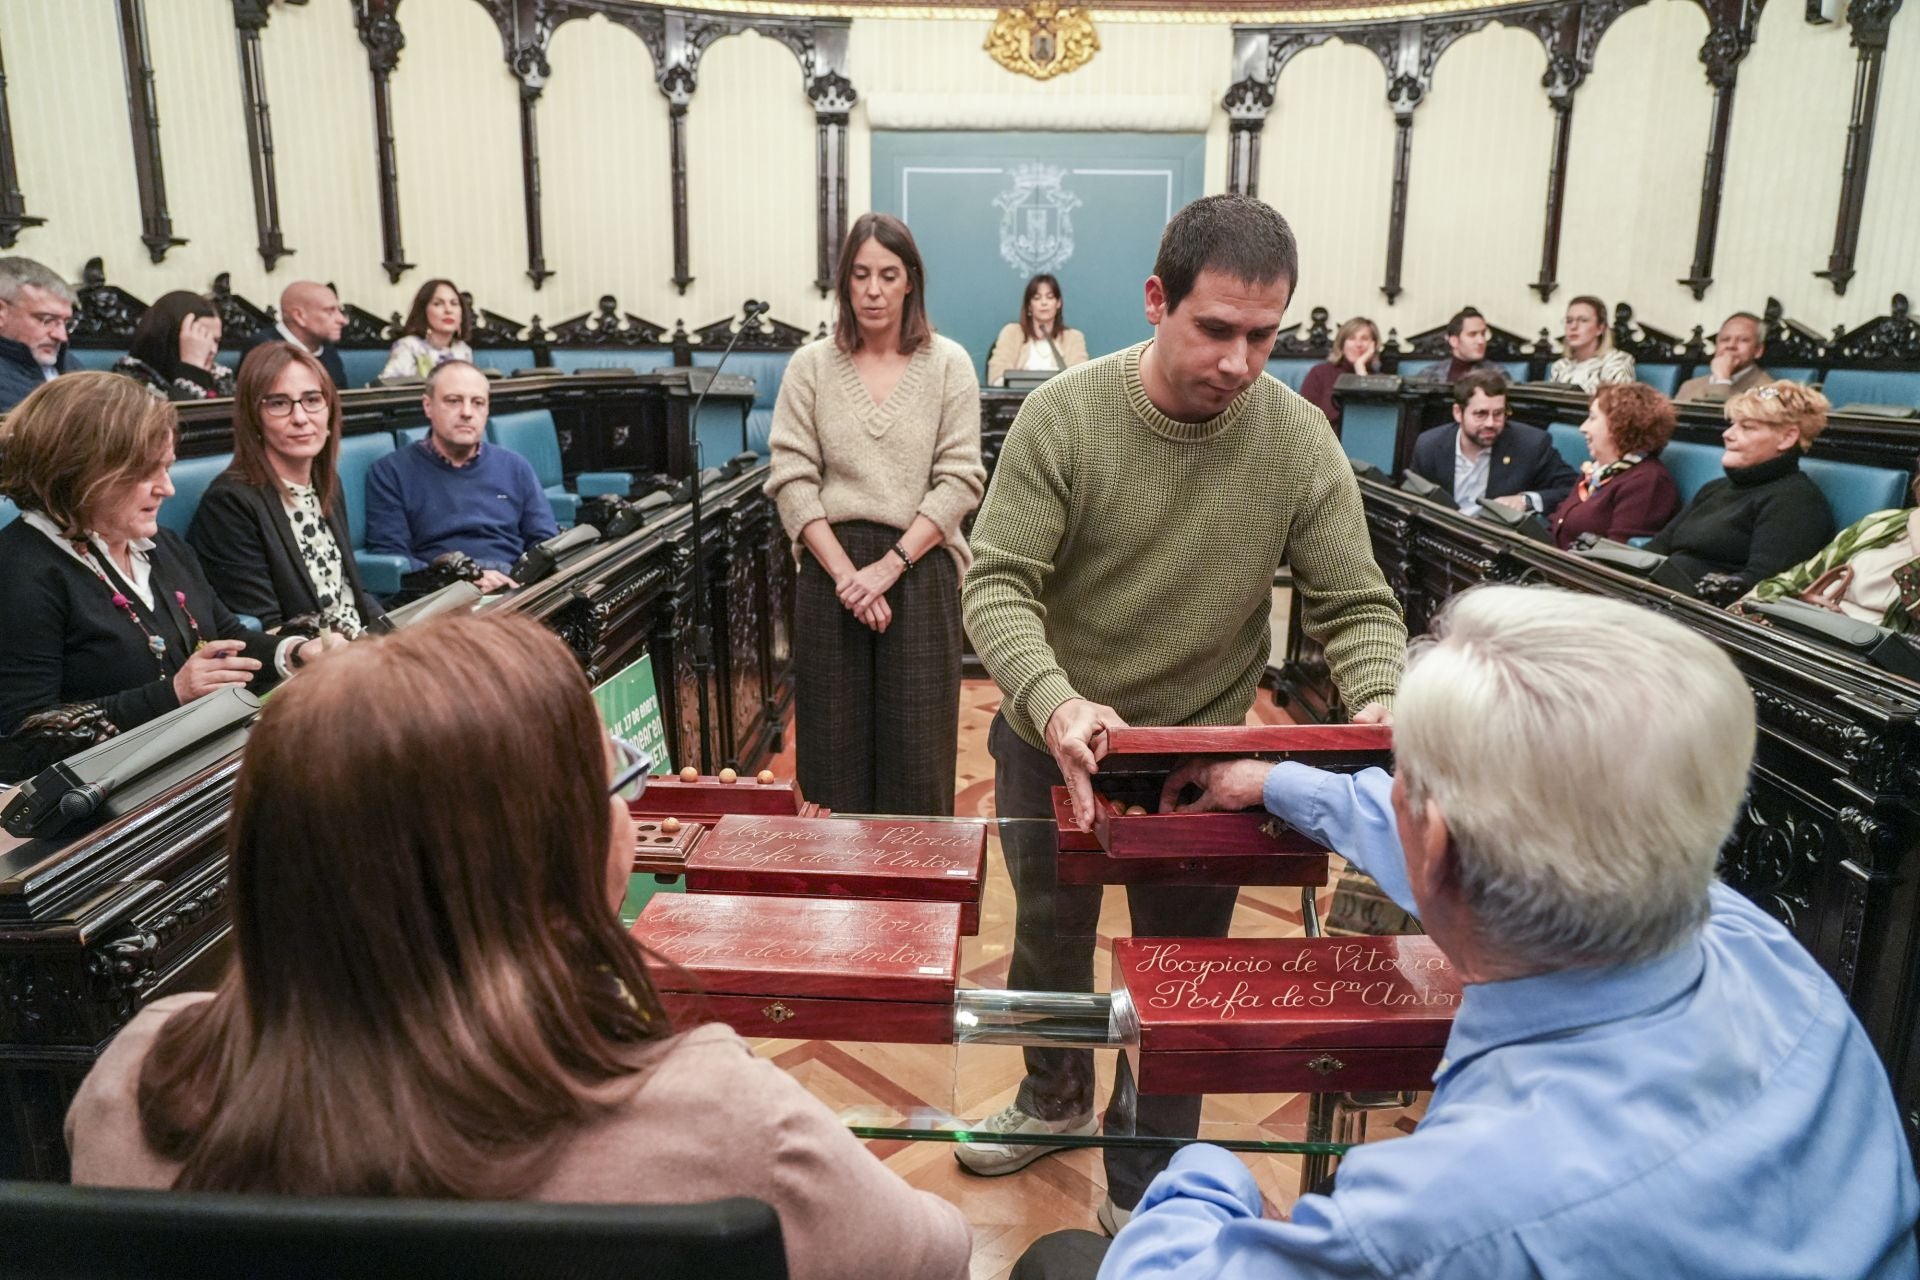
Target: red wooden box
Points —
{"points": [[659, 852], [845, 858], [807, 968], [1252, 740], [1083, 861], [667, 796], [1285, 1015]]}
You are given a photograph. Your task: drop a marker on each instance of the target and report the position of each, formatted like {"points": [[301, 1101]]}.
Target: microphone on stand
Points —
{"points": [[750, 311]]}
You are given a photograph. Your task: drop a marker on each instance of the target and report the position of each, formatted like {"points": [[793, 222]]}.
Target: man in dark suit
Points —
{"points": [[1467, 337], [312, 318], [1485, 458]]}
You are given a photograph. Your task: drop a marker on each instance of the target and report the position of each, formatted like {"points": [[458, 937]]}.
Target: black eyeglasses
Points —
{"points": [[282, 406], [630, 779]]}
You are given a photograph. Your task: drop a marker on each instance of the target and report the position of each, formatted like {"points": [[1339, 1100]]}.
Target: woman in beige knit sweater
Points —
{"points": [[1040, 339], [876, 462]]}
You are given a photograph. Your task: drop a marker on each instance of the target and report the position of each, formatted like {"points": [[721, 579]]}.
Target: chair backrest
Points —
{"points": [[1792, 373], [1692, 465], [1368, 430], [1569, 443], [357, 456], [410, 435], [505, 359], [1855, 490], [1872, 386], [531, 434], [1516, 370], [1664, 378], [93, 357], [362, 364], [766, 368], [190, 477], [638, 359], [56, 1232], [1292, 370]]}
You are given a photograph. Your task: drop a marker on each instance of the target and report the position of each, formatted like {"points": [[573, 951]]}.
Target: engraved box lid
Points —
{"points": [[1287, 993], [667, 796], [841, 857], [746, 944]]}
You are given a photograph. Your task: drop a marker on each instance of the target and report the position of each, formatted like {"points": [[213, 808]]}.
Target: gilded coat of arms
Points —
{"points": [[1043, 39], [1036, 224]]}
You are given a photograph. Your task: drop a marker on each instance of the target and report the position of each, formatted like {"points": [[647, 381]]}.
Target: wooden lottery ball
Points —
{"points": [[728, 775], [766, 777], [689, 774], [669, 825], [1135, 808]]}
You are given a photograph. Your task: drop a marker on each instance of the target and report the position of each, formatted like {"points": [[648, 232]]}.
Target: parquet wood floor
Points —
{"points": [[926, 1085]]}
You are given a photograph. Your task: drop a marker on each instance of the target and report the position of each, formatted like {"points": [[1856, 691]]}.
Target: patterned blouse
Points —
{"points": [[321, 553], [415, 357], [188, 384], [1611, 365]]}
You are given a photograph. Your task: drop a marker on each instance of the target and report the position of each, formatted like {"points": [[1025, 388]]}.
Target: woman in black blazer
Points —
{"points": [[106, 619], [272, 529]]}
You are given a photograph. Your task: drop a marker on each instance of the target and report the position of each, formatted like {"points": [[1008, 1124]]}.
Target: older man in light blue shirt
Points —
{"points": [[1647, 1077]]}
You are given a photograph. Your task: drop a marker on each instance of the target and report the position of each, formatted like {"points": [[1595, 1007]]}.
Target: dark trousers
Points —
{"points": [[1062, 1255], [877, 714], [1055, 927]]}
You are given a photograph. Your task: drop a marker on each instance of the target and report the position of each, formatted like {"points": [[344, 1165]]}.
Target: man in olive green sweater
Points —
{"points": [[1124, 560]]}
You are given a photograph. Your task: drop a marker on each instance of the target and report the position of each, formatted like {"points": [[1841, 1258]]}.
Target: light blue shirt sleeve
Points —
{"points": [[1349, 813]]}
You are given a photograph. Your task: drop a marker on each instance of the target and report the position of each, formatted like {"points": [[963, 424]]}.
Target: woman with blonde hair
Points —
{"points": [[1356, 349], [432, 995], [1591, 359], [1764, 514]]}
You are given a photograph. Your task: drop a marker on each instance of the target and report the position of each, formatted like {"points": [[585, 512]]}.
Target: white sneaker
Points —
{"points": [[991, 1159], [1112, 1217]]}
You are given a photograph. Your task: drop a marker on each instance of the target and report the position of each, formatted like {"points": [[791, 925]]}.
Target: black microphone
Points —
{"points": [[753, 310]]}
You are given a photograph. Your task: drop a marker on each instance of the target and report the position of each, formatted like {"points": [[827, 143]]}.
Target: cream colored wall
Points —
{"points": [[1481, 144]]}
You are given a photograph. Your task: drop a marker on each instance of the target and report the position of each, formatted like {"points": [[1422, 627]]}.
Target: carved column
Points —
{"points": [[380, 32], [13, 205], [530, 66], [1870, 20], [249, 20], [143, 114], [684, 38], [833, 97], [1727, 43], [1247, 102]]}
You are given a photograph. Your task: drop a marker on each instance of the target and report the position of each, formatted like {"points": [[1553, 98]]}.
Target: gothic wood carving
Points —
{"points": [[1728, 39], [1870, 21], [1641, 340], [1502, 344], [238, 317], [249, 20], [13, 205], [607, 326], [143, 114], [526, 28], [364, 329], [1894, 336], [762, 333], [1317, 340], [379, 26], [106, 313], [1788, 340]]}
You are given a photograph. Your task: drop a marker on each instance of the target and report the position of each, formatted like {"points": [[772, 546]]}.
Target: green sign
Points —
{"points": [[630, 707]]}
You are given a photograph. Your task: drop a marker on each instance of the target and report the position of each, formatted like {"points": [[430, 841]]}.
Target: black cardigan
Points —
{"points": [[1751, 523], [62, 639], [245, 543]]}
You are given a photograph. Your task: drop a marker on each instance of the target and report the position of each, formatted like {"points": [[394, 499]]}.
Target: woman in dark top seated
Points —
{"points": [[106, 619], [1624, 492], [1356, 349], [271, 530], [1764, 515], [173, 349]]}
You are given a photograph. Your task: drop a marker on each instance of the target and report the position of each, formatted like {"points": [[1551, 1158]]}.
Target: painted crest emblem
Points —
{"points": [[1036, 223], [1043, 38]]}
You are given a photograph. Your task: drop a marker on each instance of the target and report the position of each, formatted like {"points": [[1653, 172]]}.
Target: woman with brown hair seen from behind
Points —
{"points": [[432, 995], [876, 461], [1356, 349], [272, 529]]}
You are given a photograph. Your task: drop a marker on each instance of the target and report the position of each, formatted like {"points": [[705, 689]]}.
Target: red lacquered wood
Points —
{"points": [[1285, 1070], [657, 852], [809, 1018], [743, 944], [1096, 867], [1250, 740], [1193, 835], [1071, 837], [842, 857], [668, 797], [1287, 993]]}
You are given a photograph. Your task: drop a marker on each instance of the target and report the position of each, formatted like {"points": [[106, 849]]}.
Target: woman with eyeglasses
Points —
{"points": [[432, 996], [272, 529], [107, 620]]}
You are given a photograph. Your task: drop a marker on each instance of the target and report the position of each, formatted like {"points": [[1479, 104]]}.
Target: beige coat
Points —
{"points": [[1008, 346], [1703, 388]]}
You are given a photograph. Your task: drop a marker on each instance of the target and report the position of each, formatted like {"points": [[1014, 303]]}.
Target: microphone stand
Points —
{"points": [[703, 663]]}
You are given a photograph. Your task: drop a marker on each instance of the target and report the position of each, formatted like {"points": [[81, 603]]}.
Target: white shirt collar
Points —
{"points": [[141, 579], [288, 334]]}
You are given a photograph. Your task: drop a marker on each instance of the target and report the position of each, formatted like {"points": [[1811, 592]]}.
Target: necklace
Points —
{"points": [[156, 644]]}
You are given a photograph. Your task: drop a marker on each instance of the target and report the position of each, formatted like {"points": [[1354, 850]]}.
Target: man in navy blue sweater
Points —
{"points": [[453, 491]]}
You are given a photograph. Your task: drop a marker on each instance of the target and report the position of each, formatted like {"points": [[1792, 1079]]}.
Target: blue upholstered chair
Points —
{"points": [[1664, 378], [766, 368], [1569, 443], [93, 357], [1368, 429], [190, 477], [410, 435], [380, 573], [638, 359], [531, 434], [505, 359], [1792, 372], [363, 364], [1692, 465], [1873, 386], [1516, 370], [1855, 490], [1291, 370]]}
